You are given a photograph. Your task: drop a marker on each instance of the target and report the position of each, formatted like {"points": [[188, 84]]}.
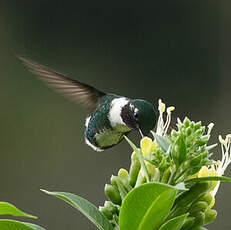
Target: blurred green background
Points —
{"points": [[175, 50]]}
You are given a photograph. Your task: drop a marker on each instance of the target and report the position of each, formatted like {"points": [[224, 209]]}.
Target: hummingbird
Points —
{"points": [[110, 116]]}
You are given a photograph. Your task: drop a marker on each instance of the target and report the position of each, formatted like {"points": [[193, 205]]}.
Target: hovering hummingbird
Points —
{"points": [[110, 116]]}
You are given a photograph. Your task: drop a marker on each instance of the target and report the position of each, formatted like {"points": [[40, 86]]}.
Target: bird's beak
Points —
{"points": [[142, 135]]}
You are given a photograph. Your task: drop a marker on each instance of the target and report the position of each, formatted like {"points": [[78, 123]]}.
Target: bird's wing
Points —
{"points": [[73, 89]]}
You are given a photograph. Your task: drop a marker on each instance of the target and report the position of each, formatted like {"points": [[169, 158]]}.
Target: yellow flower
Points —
{"points": [[147, 146], [211, 171]]}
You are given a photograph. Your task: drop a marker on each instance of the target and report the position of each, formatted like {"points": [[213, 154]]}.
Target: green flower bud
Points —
{"points": [[156, 175], [110, 206], [141, 179], [186, 122], [113, 194], [207, 198], [202, 141], [162, 165], [134, 169], [150, 168], [196, 160], [174, 133], [179, 151], [113, 180], [194, 170], [123, 175], [192, 124], [107, 213], [199, 220], [178, 211], [210, 216], [197, 125], [199, 206], [188, 223], [166, 175], [200, 131], [195, 192], [116, 181], [188, 131]]}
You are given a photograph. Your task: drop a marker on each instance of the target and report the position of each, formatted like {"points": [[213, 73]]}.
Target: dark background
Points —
{"points": [[175, 50]]}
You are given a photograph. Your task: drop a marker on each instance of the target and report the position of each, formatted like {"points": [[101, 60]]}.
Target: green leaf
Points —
{"points": [[208, 178], [85, 207], [162, 142], [175, 223], [16, 225], [9, 209], [180, 147], [146, 206], [140, 157]]}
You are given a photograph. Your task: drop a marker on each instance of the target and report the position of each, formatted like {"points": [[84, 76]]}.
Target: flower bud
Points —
{"points": [[150, 168], [197, 125], [156, 175], [192, 124], [134, 169], [141, 179], [195, 192], [199, 206], [207, 198], [202, 141], [178, 211], [188, 223], [186, 122], [106, 212], [210, 216], [110, 206], [174, 133], [200, 131], [196, 160], [188, 131], [199, 220], [117, 182], [163, 164], [113, 194], [123, 175], [166, 175]]}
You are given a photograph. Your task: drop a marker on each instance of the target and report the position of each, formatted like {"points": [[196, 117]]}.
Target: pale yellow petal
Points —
{"points": [[154, 145], [211, 203], [146, 145], [203, 172]]}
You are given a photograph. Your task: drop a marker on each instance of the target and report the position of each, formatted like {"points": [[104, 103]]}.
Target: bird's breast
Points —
{"points": [[107, 138]]}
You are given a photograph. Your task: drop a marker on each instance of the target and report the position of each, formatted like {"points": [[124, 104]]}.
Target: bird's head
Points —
{"points": [[139, 115]]}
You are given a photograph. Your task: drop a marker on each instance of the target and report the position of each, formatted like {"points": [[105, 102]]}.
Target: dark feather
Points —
{"points": [[73, 89]]}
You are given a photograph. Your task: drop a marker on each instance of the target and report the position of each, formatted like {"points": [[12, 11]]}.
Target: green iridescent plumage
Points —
{"points": [[99, 131]]}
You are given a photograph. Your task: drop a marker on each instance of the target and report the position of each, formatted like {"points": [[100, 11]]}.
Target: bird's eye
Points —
{"points": [[136, 115]]}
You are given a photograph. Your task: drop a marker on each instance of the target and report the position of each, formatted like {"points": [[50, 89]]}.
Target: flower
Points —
{"points": [[222, 165], [163, 125], [147, 146], [208, 171], [173, 159]]}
